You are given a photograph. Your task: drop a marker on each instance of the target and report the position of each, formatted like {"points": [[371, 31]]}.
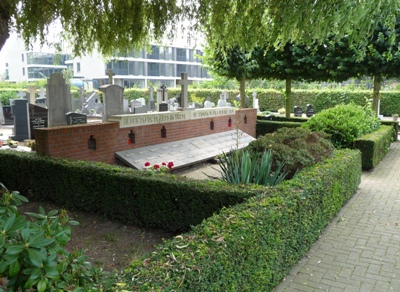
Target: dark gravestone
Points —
{"points": [[8, 116], [76, 118], [163, 107], [21, 119], [298, 111], [38, 118], [310, 110]]}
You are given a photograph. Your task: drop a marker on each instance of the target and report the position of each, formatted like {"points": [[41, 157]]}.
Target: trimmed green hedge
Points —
{"points": [[253, 245], [139, 197], [374, 146]]}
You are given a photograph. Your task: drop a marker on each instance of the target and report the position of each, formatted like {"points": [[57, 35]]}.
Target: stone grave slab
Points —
{"points": [[185, 152]]}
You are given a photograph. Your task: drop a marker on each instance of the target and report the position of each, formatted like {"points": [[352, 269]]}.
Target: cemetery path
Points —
{"points": [[107, 243], [360, 249]]}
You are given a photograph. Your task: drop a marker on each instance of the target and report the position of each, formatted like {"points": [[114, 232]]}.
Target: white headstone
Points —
{"points": [[255, 101], [21, 94], [208, 104], [42, 92], [113, 100]]}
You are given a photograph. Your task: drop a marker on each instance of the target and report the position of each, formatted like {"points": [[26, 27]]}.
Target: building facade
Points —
{"points": [[142, 68]]}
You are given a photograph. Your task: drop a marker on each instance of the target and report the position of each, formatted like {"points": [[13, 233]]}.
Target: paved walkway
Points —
{"points": [[360, 249]]}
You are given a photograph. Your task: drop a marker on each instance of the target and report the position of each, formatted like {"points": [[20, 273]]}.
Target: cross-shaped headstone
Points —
{"points": [[163, 87], [110, 74], [184, 82]]}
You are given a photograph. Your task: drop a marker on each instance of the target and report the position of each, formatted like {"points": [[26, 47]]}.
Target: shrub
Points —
{"points": [[246, 167], [31, 251], [344, 123], [297, 147]]}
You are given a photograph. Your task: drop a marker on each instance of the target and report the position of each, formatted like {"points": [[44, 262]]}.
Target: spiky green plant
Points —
{"points": [[247, 167]]}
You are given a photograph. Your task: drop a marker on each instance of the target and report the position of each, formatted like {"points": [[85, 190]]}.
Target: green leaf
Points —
{"points": [[14, 249], [41, 285], [41, 242], [9, 222], [36, 257], [14, 268]]}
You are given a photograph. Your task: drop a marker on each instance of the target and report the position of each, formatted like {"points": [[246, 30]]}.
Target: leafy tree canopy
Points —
{"points": [[125, 24]]}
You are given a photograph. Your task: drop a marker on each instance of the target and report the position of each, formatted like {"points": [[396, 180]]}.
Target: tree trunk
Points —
{"points": [[242, 91], [377, 88], [288, 95], [4, 21]]}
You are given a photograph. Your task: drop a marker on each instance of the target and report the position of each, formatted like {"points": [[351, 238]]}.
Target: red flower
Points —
{"points": [[147, 164], [170, 164], [164, 164], [129, 141], [156, 166]]}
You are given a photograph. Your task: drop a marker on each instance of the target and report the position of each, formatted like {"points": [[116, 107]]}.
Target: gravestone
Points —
{"points": [[32, 94], [38, 118], [8, 116], [197, 105], [208, 103], [110, 74], [21, 94], [255, 101], [92, 105], [2, 121], [126, 106], [76, 118], [59, 99], [42, 99], [21, 119], [162, 96], [137, 107], [163, 107], [310, 110], [152, 106], [184, 82], [298, 111], [113, 100]]}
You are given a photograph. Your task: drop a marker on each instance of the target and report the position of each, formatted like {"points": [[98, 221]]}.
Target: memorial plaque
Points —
{"points": [[38, 118], [76, 118], [163, 107]]}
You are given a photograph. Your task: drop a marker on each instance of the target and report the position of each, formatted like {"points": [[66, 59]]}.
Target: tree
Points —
{"points": [[115, 24], [233, 63]]}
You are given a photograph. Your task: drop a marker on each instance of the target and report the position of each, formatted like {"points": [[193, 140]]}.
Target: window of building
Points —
{"points": [[155, 53], [181, 55], [180, 69], [23, 71], [153, 69], [169, 70], [169, 54], [140, 68], [23, 58], [78, 67]]}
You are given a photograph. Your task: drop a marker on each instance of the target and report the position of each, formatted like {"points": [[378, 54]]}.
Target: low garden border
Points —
{"points": [[142, 198], [253, 245]]}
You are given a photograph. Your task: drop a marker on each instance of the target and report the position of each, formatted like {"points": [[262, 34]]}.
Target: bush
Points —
{"points": [[297, 147], [250, 246], [344, 123], [31, 251]]}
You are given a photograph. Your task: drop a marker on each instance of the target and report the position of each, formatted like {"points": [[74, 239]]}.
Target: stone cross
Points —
{"points": [[184, 82], [163, 87], [110, 74], [32, 94]]}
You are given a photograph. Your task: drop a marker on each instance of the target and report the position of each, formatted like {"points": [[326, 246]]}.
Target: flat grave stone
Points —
{"points": [[185, 152]]}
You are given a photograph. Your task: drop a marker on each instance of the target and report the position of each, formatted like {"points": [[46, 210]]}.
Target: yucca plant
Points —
{"points": [[247, 167]]}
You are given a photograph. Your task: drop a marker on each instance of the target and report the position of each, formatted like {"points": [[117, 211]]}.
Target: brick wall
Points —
{"points": [[72, 141]]}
